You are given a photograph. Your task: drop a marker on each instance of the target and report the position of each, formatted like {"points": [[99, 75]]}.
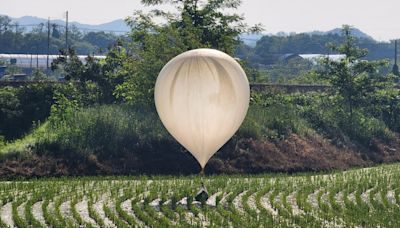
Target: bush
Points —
{"points": [[276, 121], [275, 116], [365, 129], [129, 139], [328, 119], [109, 129], [21, 107], [386, 107]]}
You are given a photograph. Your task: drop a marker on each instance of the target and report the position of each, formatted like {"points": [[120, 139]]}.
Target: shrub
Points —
{"points": [[274, 116], [330, 120], [21, 107], [109, 129]]}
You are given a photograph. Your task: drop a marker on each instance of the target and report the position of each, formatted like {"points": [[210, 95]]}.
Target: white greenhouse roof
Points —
{"points": [[314, 57], [33, 60]]}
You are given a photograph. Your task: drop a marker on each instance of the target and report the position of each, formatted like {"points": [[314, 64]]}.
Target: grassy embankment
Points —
{"points": [[283, 133]]}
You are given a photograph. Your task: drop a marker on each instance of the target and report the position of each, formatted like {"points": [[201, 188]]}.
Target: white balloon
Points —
{"points": [[202, 97]]}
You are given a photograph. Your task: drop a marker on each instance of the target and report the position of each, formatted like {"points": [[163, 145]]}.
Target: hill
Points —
{"points": [[252, 39], [118, 26], [338, 31]]}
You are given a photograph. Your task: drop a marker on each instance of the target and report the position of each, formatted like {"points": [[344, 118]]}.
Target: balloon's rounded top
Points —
{"points": [[204, 52], [202, 97]]}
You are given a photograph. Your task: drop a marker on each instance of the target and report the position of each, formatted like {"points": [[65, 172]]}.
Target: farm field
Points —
{"points": [[363, 197]]}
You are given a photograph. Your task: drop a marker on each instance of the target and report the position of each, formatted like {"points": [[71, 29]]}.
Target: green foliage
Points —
{"points": [[307, 78], [385, 105], [361, 107], [38, 75], [269, 46], [9, 109], [276, 116], [67, 100], [118, 128], [327, 119], [284, 71], [21, 107], [354, 80], [356, 87], [104, 130], [277, 121], [272, 116], [91, 79], [196, 25], [95, 78], [360, 197]]}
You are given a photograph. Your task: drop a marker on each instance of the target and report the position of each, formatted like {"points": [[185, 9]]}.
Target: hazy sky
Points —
{"points": [[380, 19]]}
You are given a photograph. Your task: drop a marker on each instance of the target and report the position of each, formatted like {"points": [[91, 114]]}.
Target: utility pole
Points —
{"points": [[31, 65], [395, 66], [395, 52], [48, 43], [66, 31]]}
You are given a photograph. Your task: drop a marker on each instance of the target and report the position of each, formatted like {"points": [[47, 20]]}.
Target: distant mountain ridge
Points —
{"points": [[354, 31], [118, 26], [251, 39]]}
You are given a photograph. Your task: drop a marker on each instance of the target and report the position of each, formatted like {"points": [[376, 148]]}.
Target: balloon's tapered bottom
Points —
{"points": [[202, 172]]}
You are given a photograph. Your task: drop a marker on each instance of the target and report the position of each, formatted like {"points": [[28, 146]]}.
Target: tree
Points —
{"points": [[95, 74], [100, 39], [55, 33], [5, 22], [198, 24], [9, 112], [38, 75], [355, 81]]}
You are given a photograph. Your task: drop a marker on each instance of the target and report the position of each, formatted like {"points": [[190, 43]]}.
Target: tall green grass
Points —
{"points": [[26, 144], [107, 130], [277, 121]]}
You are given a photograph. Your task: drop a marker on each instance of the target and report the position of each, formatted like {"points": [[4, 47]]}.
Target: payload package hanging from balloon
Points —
{"points": [[202, 97]]}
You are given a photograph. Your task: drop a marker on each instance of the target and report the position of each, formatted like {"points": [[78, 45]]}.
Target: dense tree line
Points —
{"points": [[15, 39], [269, 48]]}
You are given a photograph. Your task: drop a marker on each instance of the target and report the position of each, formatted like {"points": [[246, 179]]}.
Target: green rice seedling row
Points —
{"points": [[355, 198]]}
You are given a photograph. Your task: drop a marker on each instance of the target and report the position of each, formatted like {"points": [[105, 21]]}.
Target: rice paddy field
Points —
{"points": [[357, 198]]}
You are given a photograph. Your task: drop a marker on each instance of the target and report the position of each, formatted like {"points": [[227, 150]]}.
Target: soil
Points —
{"points": [[293, 154]]}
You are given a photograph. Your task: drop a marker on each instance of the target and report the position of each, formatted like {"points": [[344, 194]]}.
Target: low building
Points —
{"points": [[289, 57], [314, 58], [19, 77]]}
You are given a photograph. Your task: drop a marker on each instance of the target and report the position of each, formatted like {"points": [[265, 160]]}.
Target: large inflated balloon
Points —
{"points": [[202, 97]]}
